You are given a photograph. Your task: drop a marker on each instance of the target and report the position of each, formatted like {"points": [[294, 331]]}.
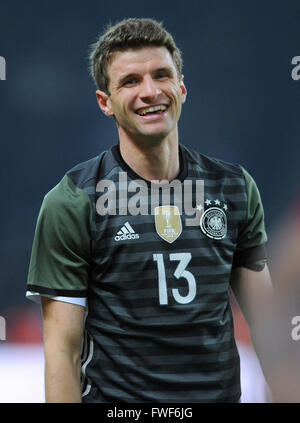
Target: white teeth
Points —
{"points": [[143, 112]]}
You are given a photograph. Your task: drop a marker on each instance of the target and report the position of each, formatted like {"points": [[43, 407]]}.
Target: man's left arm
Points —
{"points": [[253, 291], [250, 277]]}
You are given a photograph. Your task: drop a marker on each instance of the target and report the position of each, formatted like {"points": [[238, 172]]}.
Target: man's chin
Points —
{"points": [[149, 134], [152, 138], [155, 133]]}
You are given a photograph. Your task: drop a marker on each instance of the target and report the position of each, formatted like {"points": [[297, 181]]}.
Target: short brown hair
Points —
{"points": [[132, 33]]}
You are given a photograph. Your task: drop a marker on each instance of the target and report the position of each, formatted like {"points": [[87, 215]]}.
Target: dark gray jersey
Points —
{"points": [[159, 326]]}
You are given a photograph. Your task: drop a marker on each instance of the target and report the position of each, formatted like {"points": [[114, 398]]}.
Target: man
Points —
{"points": [[154, 286]]}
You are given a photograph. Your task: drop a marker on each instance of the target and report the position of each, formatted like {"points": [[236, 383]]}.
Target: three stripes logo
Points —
{"points": [[126, 232]]}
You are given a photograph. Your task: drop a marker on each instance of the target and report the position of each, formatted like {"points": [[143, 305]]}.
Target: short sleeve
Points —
{"points": [[60, 257], [252, 235]]}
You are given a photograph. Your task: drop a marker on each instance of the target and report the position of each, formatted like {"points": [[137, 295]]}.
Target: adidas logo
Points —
{"points": [[126, 232]]}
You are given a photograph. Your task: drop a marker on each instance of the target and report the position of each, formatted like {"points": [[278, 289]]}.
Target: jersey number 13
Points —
{"points": [[180, 272]]}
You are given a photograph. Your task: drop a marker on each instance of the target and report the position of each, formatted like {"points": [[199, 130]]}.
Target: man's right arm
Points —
{"points": [[63, 325]]}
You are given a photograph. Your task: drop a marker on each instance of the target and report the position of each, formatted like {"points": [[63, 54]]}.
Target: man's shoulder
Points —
{"points": [[74, 184], [86, 171], [211, 164]]}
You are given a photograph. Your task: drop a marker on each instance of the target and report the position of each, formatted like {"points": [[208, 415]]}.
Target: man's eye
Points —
{"points": [[161, 75], [130, 82]]}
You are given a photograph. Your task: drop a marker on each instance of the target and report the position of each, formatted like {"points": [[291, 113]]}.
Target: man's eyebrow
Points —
{"points": [[123, 78], [164, 69]]}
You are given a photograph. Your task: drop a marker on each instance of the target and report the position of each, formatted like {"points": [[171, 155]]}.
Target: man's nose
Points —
{"points": [[149, 89]]}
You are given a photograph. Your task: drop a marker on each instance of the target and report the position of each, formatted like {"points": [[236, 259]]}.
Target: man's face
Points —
{"points": [[146, 93]]}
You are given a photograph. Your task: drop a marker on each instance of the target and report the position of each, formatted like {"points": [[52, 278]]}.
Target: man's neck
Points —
{"points": [[152, 161]]}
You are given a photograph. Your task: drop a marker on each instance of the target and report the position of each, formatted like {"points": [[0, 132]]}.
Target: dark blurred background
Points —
{"points": [[243, 105]]}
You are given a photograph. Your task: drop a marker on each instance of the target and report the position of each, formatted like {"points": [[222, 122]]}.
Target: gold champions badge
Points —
{"points": [[168, 222]]}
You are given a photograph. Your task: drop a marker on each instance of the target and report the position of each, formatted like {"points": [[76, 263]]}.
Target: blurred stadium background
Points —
{"points": [[242, 106]]}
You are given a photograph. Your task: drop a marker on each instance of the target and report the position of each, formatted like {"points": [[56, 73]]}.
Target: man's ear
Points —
{"points": [[183, 89], [104, 103]]}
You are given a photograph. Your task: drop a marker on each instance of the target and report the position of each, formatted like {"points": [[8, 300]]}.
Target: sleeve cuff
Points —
{"points": [[56, 291], [244, 258], [36, 297]]}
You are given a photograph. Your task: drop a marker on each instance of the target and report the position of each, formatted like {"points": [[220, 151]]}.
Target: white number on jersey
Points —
{"points": [[180, 272]]}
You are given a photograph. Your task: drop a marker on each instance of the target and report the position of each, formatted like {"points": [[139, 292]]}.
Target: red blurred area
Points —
{"points": [[23, 325], [241, 329]]}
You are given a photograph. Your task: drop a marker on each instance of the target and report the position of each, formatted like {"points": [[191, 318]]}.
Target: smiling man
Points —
{"points": [[136, 306], [145, 96]]}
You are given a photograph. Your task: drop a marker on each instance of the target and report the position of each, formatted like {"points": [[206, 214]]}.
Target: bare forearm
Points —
{"points": [[254, 293], [62, 379], [63, 328]]}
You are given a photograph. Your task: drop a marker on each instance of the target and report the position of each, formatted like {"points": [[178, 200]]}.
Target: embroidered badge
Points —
{"points": [[168, 222], [213, 222]]}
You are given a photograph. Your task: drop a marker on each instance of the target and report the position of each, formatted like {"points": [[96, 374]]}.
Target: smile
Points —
{"points": [[152, 109]]}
